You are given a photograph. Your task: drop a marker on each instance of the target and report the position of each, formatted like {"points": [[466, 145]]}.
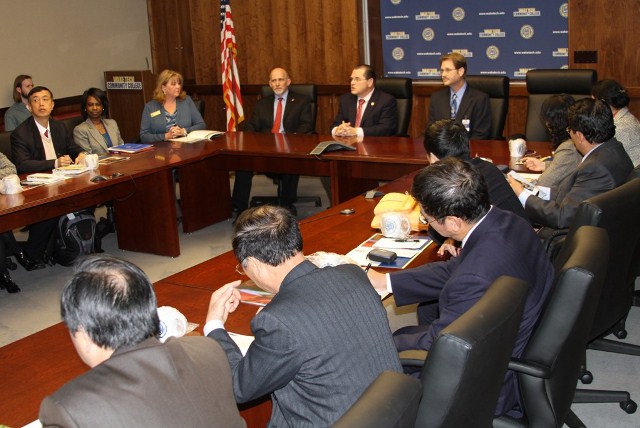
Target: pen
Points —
{"points": [[367, 268], [407, 240], [545, 158]]}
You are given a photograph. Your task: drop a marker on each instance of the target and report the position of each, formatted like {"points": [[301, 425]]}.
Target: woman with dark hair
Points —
{"points": [[566, 158], [171, 113], [97, 133], [627, 126]]}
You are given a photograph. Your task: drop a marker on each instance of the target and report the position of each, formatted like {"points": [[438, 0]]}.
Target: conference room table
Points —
{"points": [[39, 364], [144, 194]]}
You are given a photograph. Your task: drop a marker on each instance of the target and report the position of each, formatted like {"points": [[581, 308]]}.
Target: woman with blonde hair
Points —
{"points": [[171, 113]]}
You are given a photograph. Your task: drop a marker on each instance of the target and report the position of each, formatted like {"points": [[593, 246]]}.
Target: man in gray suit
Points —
{"points": [[322, 339], [110, 310]]}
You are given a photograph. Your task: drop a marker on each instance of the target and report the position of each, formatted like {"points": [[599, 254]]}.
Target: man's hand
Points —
{"points": [[80, 159], [64, 161], [223, 301], [534, 164], [449, 246], [378, 280], [345, 130], [515, 185]]}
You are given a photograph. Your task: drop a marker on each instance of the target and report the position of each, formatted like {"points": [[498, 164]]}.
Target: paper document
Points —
{"points": [[243, 341], [540, 191], [406, 249], [200, 135]]}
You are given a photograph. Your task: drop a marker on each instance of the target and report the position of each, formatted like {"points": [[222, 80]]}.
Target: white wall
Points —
{"points": [[66, 45]]}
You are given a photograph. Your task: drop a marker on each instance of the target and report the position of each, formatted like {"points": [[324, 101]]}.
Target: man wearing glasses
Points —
{"points": [[605, 165], [366, 110], [454, 200], [459, 101]]}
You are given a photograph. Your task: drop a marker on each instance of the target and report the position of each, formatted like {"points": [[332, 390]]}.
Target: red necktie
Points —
{"points": [[359, 112], [278, 120], [46, 133]]}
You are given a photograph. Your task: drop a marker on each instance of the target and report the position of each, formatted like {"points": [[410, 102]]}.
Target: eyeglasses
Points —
{"points": [[447, 70], [239, 268], [423, 218]]}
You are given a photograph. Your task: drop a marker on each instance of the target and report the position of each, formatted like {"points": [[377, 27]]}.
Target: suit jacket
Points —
{"points": [[296, 118], [566, 160], [153, 124], [502, 244], [87, 136], [607, 167], [27, 151], [379, 118], [318, 344], [474, 106], [15, 115], [182, 383]]}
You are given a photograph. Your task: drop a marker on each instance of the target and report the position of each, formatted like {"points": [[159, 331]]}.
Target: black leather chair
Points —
{"points": [[497, 87], [465, 368], [311, 91], [617, 211], [71, 122], [5, 144], [542, 83], [401, 89], [391, 401], [550, 365], [199, 103]]}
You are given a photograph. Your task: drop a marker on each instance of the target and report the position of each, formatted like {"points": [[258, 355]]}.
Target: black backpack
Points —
{"points": [[75, 237]]}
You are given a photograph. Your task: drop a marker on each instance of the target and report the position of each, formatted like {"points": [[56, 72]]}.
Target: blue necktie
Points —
{"points": [[454, 105]]}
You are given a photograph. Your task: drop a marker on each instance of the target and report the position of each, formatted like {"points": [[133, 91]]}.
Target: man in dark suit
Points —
{"points": [[110, 310], [605, 165], [40, 144], [366, 110], [322, 339], [459, 101], [284, 112], [454, 200]]}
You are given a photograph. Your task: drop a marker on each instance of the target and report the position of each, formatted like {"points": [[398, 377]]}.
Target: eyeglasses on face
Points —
{"points": [[239, 268]]}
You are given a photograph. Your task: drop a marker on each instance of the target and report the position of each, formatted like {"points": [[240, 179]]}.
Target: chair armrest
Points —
{"points": [[413, 357], [529, 368]]}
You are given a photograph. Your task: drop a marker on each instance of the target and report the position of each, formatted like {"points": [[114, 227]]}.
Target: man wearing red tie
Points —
{"points": [[366, 110], [284, 112]]}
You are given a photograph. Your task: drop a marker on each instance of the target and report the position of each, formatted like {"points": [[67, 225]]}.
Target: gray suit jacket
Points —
{"points": [[87, 136], [318, 344], [607, 167], [182, 383]]}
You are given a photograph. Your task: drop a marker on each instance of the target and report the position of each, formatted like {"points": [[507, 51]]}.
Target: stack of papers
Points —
{"points": [[70, 170], [44, 178], [194, 136], [406, 249]]}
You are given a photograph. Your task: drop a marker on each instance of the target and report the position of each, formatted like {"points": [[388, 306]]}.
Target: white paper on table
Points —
{"points": [[243, 341], [392, 243], [34, 424]]}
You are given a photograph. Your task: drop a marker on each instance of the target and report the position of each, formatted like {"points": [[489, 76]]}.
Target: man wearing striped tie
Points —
{"points": [[459, 101], [366, 110]]}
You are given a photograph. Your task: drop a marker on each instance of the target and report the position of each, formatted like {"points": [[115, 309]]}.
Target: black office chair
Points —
{"points": [[199, 103], [5, 144], [401, 89], [71, 122], [550, 365], [391, 401], [467, 363], [542, 83], [311, 91], [497, 87], [617, 211]]}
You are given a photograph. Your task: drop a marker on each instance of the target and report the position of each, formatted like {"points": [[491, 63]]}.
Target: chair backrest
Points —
{"points": [[71, 122], [390, 401], [308, 89], [543, 83], [617, 211], [5, 143], [199, 103], [401, 88], [557, 345], [466, 365], [497, 87]]}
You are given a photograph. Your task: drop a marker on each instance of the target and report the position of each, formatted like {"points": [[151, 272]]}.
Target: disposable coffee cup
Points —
{"points": [[395, 225], [91, 161], [10, 185], [517, 148], [172, 323]]}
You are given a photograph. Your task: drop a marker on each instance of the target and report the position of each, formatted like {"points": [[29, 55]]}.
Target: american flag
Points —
{"points": [[230, 78]]}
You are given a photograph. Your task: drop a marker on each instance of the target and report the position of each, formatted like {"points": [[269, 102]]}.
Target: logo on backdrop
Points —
{"points": [[398, 54], [493, 52], [526, 31], [458, 14], [428, 34], [427, 16], [564, 10]]}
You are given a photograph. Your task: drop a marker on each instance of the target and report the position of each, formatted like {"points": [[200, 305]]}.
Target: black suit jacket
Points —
{"points": [[379, 118], [474, 106], [296, 118], [318, 344], [607, 167], [502, 244], [27, 151]]}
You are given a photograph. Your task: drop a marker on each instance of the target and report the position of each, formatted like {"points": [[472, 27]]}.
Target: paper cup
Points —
{"points": [[395, 225], [10, 185], [172, 323], [517, 148]]}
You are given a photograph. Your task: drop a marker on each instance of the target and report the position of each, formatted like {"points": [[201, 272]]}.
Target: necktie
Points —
{"points": [[278, 120], [359, 112], [454, 106], [46, 133]]}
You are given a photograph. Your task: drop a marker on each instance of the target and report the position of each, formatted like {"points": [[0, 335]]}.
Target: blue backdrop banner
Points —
{"points": [[500, 37]]}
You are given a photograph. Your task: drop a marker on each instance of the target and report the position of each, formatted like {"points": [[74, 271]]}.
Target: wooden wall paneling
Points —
{"points": [[205, 33]]}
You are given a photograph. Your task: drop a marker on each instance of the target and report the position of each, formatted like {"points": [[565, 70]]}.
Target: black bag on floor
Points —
{"points": [[75, 237]]}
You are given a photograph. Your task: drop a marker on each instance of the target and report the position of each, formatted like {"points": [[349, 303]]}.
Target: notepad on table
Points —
{"points": [[200, 135]]}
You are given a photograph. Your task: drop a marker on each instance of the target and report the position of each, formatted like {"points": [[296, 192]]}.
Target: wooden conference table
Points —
{"points": [[39, 364]]}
